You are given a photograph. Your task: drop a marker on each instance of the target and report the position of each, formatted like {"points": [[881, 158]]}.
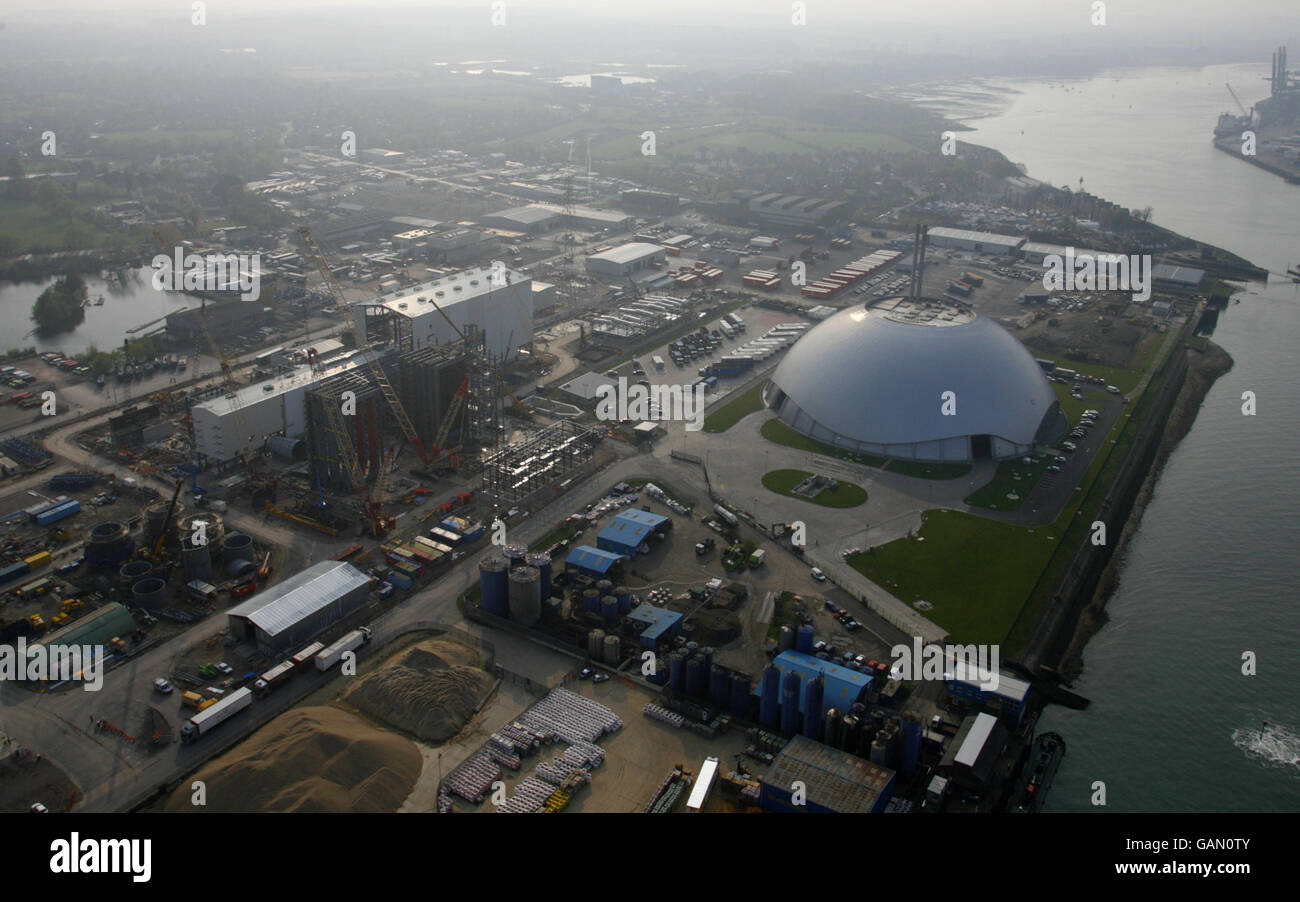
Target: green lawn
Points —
{"points": [[976, 572], [31, 226], [1012, 476], [846, 494], [735, 410], [776, 431]]}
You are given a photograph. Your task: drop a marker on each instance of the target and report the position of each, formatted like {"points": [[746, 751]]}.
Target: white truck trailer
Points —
{"points": [[334, 653], [207, 719]]}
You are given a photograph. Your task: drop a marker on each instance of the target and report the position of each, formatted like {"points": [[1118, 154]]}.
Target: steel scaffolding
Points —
{"points": [[539, 467]]}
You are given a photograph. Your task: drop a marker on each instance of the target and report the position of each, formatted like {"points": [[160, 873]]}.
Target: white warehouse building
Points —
{"points": [[626, 259], [977, 242], [502, 308], [227, 426]]}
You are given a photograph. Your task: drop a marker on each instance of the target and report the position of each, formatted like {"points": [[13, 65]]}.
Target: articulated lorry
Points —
{"points": [[206, 720], [332, 655]]}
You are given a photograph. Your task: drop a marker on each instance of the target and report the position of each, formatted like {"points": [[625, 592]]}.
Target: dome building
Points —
{"points": [[875, 379]]}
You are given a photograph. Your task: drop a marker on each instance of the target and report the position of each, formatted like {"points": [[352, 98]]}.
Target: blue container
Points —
{"points": [[609, 609], [707, 654], [739, 706], [399, 579], [66, 481], [474, 533], [494, 586], [804, 638], [542, 562], [692, 648], [790, 702], [770, 700], [591, 601], [659, 677], [677, 672], [719, 686], [695, 678], [812, 708], [13, 571], [911, 743], [624, 596], [58, 512]]}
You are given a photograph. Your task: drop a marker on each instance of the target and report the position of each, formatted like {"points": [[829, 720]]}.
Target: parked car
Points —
{"points": [[818, 575], [586, 673], [224, 668], [162, 686]]}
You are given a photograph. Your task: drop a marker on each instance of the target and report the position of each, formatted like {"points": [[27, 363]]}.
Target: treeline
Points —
{"points": [[59, 308]]}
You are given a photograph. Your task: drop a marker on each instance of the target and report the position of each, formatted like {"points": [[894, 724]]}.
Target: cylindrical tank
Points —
{"points": [[707, 654], [911, 742], [880, 751], [516, 555], [688, 627], [624, 596], [804, 639], [155, 515], [740, 695], [719, 686], [134, 571], [110, 544], [240, 567], [286, 448], [812, 708], [525, 595], [695, 678], [542, 561], [595, 644], [196, 561], [237, 547], [785, 639], [212, 530], [832, 728], [591, 600], [613, 650], [609, 609], [658, 676], [150, 593], [692, 649], [493, 581], [769, 699], [850, 734], [677, 672], [790, 685]]}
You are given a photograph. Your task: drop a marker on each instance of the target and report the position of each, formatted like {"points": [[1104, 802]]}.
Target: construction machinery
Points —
{"points": [[155, 554]]}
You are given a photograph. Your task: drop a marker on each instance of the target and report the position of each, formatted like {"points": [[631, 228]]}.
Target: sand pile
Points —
{"points": [[309, 759], [430, 690]]}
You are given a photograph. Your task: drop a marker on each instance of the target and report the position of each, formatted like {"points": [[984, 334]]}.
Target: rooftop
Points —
{"points": [[445, 291], [301, 595], [628, 253], [981, 237], [833, 779]]}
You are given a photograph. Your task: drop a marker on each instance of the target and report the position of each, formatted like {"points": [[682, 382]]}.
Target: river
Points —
{"points": [[1211, 572]]}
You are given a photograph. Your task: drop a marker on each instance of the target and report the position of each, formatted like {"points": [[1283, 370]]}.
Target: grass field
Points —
{"points": [[846, 494], [976, 572], [1012, 476], [776, 431], [31, 226], [735, 410]]}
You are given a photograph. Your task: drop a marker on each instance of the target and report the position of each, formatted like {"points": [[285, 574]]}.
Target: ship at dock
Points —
{"points": [[1030, 791], [1273, 125]]}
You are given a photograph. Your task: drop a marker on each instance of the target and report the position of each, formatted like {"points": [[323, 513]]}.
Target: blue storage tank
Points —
{"points": [[707, 654], [692, 648], [812, 708], [739, 706], [677, 672], [516, 555], [769, 705], [911, 742], [591, 601], [624, 596], [719, 686], [609, 609], [494, 585], [658, 677], [790, 702], [542, 561], [605, 586], [694, 677], [804, 639]]}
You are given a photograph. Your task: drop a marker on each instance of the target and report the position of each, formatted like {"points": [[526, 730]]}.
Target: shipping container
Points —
{"points": [[13, 571], [304, 658], [38, 560], [59, 512], [400, 580], [65, 481], [334, 653], [276, 676]]}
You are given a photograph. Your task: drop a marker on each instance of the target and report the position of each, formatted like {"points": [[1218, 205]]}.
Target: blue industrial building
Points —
{"points": [[591, 562], [834, 782], [1008, 700], [843, 686], [629, 529], [660, 623]]}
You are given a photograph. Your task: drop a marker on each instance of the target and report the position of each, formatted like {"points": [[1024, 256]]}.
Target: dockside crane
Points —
{"points": [[1245, 114]]}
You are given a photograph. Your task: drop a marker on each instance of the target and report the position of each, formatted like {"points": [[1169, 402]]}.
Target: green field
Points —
{"points": [[32, 227], [776, 431], [1012, 476], [735, 410], [976, 572], [846, 494]]}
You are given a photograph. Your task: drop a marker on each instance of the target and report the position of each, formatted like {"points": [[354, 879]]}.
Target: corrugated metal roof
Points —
{"points": [[592, 558], [833, 779], [979, 734], [842, 688], [631, 252], [286, 604], [978, 237]]}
